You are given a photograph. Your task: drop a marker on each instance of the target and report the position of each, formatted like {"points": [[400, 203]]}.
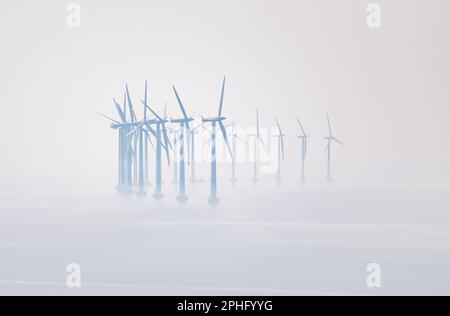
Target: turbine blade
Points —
{"points": [[150, 140], [180, 103], [224, 133], [153, 112], [221, 97], [282, 148], [167, 155], [150, 129], [133, 131], [145, 101], [107, 117], [125, 105], [257, 123], [329, 125], [197, 127], [242, 141], [167, 142], [119, 110], [130, 105], [279, 127], [301, 127], [338, 141], [262, 143]]}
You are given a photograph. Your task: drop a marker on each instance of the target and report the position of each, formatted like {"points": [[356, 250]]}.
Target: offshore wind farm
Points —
{"points": [[291, 232], [139, 134]]}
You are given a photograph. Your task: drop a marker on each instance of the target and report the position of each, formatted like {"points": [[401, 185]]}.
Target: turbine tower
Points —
{"points": [[127, 147], [330, 139], [161, 134], [258, 140], [184, 126], [304, 143], [280, 137], [133, 166], [213, 199]]}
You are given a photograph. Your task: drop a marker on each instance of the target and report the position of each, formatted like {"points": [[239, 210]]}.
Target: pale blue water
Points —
{"points": [[282, 242]]}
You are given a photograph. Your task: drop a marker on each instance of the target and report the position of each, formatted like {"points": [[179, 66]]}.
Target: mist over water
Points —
{"points": [[387, 96]]}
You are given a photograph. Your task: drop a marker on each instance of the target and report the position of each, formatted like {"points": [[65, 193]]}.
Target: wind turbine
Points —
{"points": [[132, 163], [235, 138], [127, 149], [258, 140], [218, 120], [140, 133], [161, 134], [330, 139], [119, 125], [304, 138], [280, 137], [184, 125], [125, 146]]}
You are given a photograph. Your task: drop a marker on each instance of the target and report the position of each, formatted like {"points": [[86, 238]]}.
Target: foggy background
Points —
{"points": [[386, 89], [387, 94]]}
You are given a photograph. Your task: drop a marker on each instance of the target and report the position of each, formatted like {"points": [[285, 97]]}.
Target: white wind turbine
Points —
{"points": [[304, 143], [330, 139]]}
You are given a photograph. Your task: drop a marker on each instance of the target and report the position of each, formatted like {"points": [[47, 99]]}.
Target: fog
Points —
{"points": [[385, 89]]}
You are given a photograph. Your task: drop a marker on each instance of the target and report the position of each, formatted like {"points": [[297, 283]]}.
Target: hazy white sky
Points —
{"points": [[386, 89]]}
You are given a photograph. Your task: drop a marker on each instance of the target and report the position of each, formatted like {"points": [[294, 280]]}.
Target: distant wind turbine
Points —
{"points": [[161, 135], [281, 152], [330, 139], [258, 140], [304, 138], [218, 120], [127, 154], [184, 126], [134, 141], [140, 131], [124, 145]]}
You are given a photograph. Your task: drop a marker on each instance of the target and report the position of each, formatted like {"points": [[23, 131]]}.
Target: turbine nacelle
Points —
{"points": [[213, 119], [165, 121], [136, 124], [181, 121], [333, 139]]}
